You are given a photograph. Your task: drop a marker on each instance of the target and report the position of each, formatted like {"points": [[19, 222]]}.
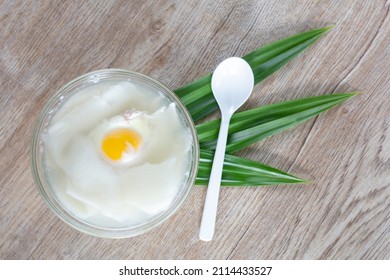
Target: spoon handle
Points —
{"points": [[210, 208]]}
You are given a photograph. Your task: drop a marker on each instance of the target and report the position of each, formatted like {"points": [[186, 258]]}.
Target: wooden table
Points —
{"points": [[345, 214]]}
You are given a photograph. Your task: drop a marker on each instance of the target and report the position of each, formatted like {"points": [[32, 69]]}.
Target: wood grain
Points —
{"points": [[345, 214]]}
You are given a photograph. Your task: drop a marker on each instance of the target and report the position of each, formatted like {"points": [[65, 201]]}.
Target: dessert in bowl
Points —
{"points": [[114, 153]]}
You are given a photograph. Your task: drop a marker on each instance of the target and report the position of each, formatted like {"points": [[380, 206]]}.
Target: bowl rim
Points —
{"points": [[43, 185]]}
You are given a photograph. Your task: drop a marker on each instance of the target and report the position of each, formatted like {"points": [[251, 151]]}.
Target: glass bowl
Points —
{"points": [[37, 153]]}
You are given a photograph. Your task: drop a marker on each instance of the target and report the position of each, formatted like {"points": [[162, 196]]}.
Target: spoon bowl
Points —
{"points": [[232, 83]]}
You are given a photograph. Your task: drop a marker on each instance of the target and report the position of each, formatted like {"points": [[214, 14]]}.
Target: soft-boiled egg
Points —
{"points": [[116, 154], [122, 139]]}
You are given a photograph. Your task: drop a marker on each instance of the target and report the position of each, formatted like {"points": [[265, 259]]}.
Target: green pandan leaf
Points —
{"points": [[253, 125], [242, 172], [197, 96]]}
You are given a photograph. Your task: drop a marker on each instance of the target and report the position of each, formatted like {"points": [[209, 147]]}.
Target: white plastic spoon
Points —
{"points": [[232, 83]]}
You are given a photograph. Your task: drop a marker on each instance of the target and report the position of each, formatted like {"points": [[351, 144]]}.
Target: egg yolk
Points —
{"points": [[117, 141]]}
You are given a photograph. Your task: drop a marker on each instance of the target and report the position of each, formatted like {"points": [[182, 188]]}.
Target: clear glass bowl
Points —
{"points": [[37, 152]]}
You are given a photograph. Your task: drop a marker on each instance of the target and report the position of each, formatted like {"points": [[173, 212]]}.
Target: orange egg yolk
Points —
{"points": [[117, 141]]}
